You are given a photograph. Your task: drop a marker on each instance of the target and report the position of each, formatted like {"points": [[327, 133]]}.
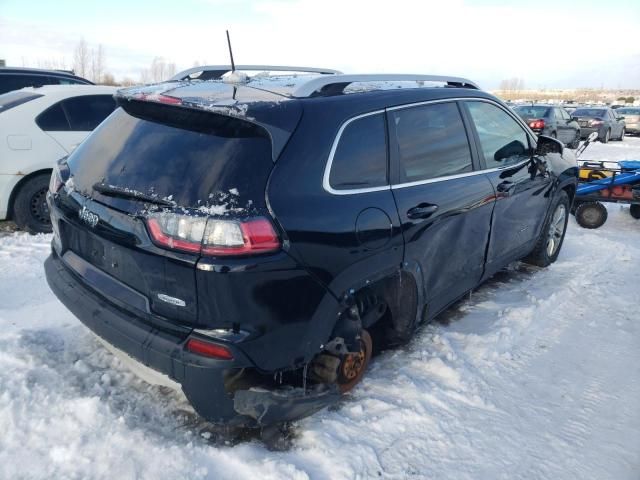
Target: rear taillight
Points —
{"points": [[596, 122], [159, 98], [208, 349], [211, 236], [536, 124], [55, 182]]}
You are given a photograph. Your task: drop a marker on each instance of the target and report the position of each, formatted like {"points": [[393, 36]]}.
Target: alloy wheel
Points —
{"points": [[556, 230]]}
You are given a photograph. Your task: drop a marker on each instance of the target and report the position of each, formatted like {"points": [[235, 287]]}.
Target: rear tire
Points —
{"points": [[591, 215], [635, 211], [552, 235], [30, 209], [607, 137]]}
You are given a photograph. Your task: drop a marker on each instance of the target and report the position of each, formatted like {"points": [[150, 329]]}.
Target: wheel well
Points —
{"points": [[571, 192], [388, 308], [19, 185]]}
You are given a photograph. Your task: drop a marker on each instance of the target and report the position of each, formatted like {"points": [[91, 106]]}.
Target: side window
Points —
{"points": [[12, 82], [565, 114], [87, 112], [559, 115], [502, 140], [53, 119], [431, 141], [65, 81], [360, 159]]}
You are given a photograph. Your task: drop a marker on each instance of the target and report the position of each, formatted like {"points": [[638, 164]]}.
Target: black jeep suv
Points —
{"points": [[253, 239]]}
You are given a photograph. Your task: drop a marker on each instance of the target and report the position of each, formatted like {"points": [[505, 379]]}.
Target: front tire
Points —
{"points": [[634, 210], [30, 209], [591, 215], [552, 235], [576, 141], [622, 134], [607, 137]]}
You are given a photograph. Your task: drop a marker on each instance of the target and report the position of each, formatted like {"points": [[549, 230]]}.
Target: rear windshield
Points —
{"points": [[13, 99], [628, 111], [532, 112], [213, 160], [589, 112]]}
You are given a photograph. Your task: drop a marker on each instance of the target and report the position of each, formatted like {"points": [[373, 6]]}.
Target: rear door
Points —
{"points": [[444, 202], [565, 135], [522, 191], [70, 121]]}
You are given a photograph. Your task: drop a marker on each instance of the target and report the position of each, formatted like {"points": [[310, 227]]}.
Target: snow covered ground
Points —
{"points": [[536, 376]]}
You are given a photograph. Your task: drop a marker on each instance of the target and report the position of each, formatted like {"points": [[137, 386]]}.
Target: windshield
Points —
{"points": [[191, 168], [13, 99], [535, 111], [589, 112]]}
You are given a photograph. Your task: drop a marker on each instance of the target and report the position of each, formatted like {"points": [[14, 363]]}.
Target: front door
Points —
{"points": [[443, 200], [522, 189]]}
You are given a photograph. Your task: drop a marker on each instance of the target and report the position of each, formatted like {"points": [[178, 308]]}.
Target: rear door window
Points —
{"points": [[431, 142], [360, 158], [87, 112], [502, 140]]}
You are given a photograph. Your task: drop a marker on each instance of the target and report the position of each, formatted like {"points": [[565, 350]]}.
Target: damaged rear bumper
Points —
{"points": [[217, 389]]}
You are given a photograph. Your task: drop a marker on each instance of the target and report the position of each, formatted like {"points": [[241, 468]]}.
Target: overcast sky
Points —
{"points": [[550, 44]]}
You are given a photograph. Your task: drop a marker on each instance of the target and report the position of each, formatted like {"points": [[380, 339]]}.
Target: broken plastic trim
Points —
{"points": [[285, 404]]}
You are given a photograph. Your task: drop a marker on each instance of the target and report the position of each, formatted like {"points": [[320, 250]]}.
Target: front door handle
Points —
{"points": [[505, 187], [424, 210]]}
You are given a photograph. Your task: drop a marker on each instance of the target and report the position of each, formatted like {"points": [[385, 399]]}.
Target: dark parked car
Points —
{"points": [[631, 117], [603, 120], [255, 241], [17, 78], [552, 121]]}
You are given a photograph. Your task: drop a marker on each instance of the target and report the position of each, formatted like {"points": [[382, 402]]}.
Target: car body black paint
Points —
{"points": [[282, 307]]}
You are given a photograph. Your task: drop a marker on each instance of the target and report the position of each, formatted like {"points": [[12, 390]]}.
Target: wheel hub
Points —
{"points": [[353, 364]]}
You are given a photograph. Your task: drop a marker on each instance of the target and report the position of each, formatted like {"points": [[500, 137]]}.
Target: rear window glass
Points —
{"points": [[432, 142], [532, 112], [222, 161], [13, 99], [360, 159], [589, 112], [628, 111]]}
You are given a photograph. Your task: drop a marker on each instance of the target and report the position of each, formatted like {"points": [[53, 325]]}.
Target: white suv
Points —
{"points": [[39, 126]]}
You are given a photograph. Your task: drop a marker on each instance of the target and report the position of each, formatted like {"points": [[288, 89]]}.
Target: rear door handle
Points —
{"points": [[424, 210]]}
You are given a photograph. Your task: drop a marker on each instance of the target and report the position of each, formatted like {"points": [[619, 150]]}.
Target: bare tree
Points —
{"points": [[159, 70], [81, 59], [512, 84], [97, 64]]}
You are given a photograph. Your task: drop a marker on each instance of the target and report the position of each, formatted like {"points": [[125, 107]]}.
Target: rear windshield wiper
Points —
{"points": [[122, 192]]}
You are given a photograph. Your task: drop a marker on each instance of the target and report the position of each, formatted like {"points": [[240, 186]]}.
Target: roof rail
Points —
{"points": [[335, 84], [217, 71]]}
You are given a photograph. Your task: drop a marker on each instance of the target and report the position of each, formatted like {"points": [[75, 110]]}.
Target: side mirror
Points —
{"points": [[574, 119], [620, 118], [548, 145]]}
